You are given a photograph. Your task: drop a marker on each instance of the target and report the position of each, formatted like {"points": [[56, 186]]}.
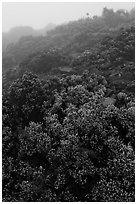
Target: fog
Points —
{"points": [[38, 15]]}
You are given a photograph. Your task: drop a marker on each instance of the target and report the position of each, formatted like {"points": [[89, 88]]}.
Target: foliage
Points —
{"points": [[60, 143], [45, 61], [24, 100], [114, 57], [71, 137]]}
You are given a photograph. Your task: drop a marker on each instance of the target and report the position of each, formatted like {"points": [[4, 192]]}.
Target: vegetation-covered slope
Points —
{"points": [[11, 37], [73, 37], [113, 57], [69, 113]]}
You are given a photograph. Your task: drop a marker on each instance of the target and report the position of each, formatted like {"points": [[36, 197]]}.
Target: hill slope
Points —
{"points": [[69, 113], [74, 37], [13, 36]]}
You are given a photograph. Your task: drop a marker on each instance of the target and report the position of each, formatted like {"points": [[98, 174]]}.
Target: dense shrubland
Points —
{"points": [[62, 141], [69, 113]]}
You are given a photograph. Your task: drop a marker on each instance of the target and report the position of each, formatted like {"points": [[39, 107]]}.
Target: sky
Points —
{"points": [[38, 15]]}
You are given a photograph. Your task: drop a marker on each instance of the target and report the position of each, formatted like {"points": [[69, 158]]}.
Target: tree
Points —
{"points": [[79, 151]]}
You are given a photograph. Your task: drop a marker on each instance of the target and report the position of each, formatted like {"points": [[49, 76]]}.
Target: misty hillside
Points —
{"points": [[73, 37], [104, 45], [68, 107], [12, 36]]}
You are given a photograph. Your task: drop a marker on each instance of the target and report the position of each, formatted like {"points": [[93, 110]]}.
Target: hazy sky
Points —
{"points": [[39, 14]]}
